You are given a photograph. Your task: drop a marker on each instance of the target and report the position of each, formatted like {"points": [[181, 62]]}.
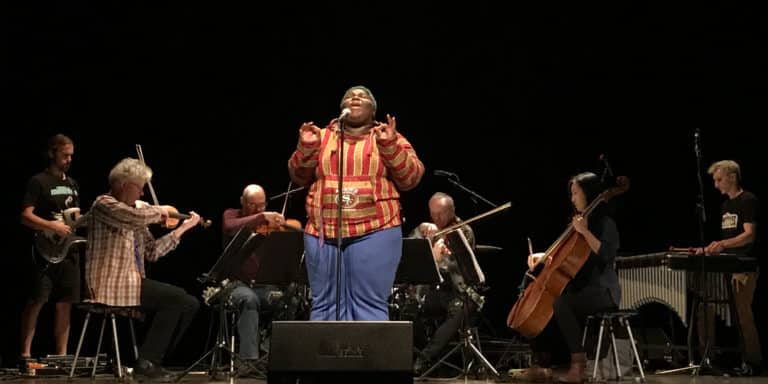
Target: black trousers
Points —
{"points": [[173, 310], [569, 315], [449, 303]]}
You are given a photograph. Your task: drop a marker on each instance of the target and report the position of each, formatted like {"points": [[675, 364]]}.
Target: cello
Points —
{"points": [[545, 281]]}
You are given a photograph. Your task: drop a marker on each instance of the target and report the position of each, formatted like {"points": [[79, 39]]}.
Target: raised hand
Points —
{"points": [[386, 131], [309, 133]]}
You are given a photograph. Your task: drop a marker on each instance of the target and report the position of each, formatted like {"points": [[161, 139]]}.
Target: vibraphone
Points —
{"points": [[669, 278]]}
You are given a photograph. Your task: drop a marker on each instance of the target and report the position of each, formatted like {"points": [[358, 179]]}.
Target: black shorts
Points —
{"points": [[59, 282]]}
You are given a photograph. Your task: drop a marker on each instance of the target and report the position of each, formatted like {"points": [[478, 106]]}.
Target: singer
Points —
{"points": [[378, 163]]}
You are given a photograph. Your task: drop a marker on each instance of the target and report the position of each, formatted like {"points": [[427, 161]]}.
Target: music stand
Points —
{"points": [[280, 256], [417, 265], [472, 275], [235, 253], [231, 259]]}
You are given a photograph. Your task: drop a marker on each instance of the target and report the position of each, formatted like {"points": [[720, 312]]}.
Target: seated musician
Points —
{"points": [[119, 242], [445, 300], [247, 297], [594, 289], [738, 228]]}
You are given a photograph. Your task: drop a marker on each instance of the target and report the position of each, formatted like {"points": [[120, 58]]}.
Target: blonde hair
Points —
{"points": [[727, 167], [130, 169]]}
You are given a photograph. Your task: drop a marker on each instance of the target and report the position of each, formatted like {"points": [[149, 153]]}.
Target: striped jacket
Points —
{"points": [[374, 171], [116, 232]]}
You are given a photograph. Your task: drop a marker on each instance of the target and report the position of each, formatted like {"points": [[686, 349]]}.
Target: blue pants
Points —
{"points": [[249, 301], [368, 267]]}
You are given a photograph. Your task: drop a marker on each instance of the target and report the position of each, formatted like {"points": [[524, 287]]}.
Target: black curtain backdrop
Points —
{"points": [[514, 99]]}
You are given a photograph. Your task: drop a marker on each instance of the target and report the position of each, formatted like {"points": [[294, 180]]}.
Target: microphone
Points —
{"points": [[344, 113], [446, 174], [696, 138]]}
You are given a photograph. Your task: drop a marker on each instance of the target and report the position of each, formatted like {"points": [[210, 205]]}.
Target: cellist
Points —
{"points": [[594, 289], [247, 297]]}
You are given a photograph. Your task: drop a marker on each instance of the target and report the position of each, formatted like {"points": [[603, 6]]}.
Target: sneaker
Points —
{"points": [[151, 370]]}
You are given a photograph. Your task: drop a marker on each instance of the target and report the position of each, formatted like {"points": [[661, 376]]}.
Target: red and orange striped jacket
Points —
{"points": [[374, 173]]}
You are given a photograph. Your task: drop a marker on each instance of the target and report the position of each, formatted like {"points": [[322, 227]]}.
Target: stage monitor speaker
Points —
{"points": [[341, 351]]}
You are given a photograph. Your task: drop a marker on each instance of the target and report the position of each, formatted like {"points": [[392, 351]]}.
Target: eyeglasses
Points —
{"points": [[137, 186]]}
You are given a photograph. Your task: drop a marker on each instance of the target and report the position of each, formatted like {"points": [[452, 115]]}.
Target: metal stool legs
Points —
{"points": [[625, 322], [116, 344], [607, 321]]}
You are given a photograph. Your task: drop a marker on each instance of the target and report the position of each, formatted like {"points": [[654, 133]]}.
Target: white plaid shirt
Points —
{"points": [[112, 274]]}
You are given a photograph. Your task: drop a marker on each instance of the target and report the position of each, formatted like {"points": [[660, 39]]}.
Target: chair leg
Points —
{"points": [[79, 345], [615, 352], [133, 340], [117, 347], [98, 348], [597, 353], [634, 348], [584, 334]]}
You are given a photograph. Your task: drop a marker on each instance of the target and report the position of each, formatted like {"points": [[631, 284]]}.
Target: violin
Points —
{"points": [[174, 217], [289, 225]]}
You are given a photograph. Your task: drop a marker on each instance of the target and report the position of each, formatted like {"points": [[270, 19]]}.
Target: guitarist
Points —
{"points": [[48, 194]]}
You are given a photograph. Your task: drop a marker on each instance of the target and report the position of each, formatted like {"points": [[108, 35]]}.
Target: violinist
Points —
{"points": [[119, 242], [594, 289], [247, 297], [444, 300]]}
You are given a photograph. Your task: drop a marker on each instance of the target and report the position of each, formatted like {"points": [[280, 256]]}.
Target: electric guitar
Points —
{"points": [[53, 248]]}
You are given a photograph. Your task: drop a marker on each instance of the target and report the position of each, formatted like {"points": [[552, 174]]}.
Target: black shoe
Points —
{"points": [[749, 369], [151, 370], [252, 368], [420, 366]]}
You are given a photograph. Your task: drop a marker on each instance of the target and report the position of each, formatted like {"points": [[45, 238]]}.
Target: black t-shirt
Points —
{"points": [[50, 195], [735, 212]]}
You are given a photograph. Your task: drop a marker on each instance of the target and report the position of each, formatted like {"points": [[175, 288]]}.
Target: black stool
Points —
{"points": [[608, 319], [106, 311]]}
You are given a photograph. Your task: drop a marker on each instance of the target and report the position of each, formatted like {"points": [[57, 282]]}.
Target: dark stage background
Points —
{"points": [[514, 100]]}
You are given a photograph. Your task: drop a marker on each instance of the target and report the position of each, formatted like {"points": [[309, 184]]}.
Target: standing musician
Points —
{"points": [[447, 299], [249, 299], [48, 194], [119, 242], [378, 163], [738, 227], [594, 289]]}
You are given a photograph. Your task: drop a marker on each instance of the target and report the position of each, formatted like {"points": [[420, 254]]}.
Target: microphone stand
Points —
{"points": [[340, 168], [469, 191], [700, 299]]}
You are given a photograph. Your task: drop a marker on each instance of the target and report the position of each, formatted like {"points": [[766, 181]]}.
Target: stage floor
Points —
{"points": [[201, 378]]}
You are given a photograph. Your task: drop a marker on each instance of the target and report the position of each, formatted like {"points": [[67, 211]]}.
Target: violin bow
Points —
{"points": [[149, 182]]}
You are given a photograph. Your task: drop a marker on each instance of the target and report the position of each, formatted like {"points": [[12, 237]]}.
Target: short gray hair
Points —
{"points": [[726, 166], [130, 169]]}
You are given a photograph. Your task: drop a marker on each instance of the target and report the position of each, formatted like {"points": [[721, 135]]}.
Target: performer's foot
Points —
{"points": [[151, 370], [532, 374]]}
